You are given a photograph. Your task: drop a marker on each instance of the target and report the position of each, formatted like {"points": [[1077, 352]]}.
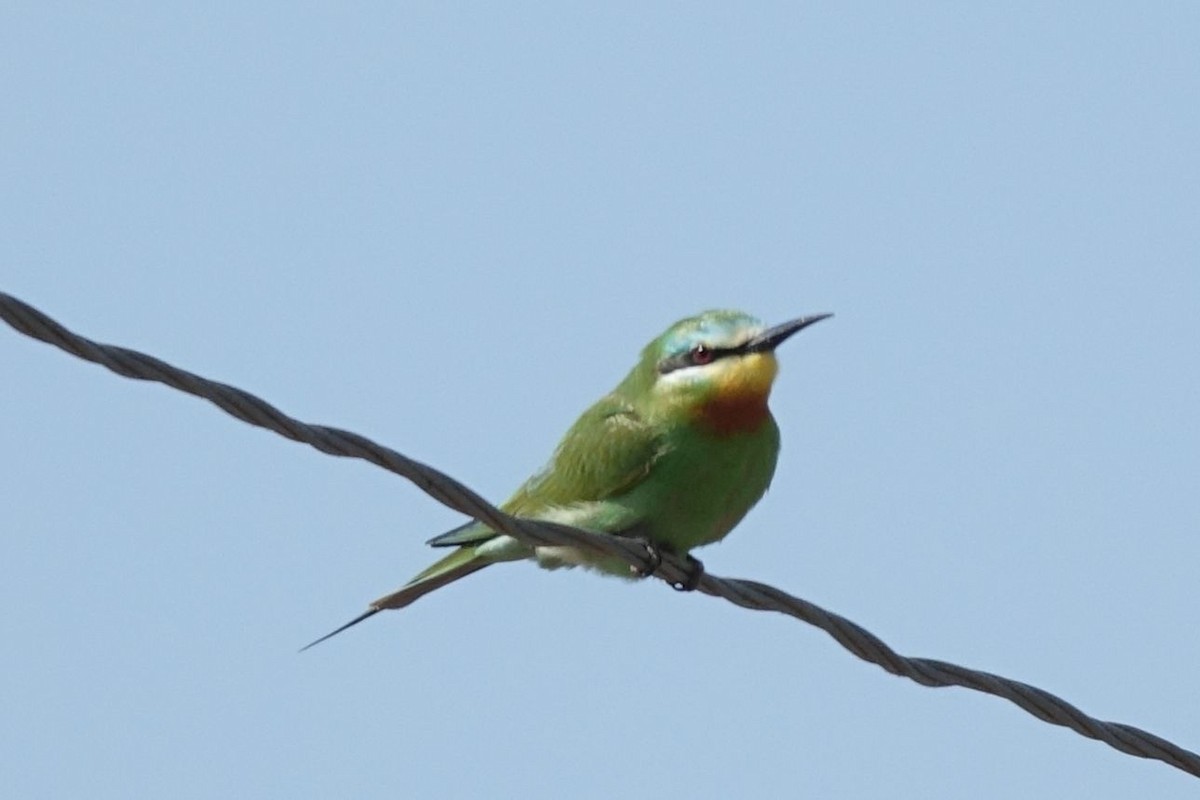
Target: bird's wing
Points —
{"points": [[606, 452], [471, 533], [609, 449]]}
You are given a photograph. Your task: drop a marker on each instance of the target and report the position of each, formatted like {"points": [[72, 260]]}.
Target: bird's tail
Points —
{"points": [[459, 564]]}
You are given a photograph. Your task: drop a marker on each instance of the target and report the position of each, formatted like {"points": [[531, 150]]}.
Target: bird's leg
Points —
{"points": [[653, 559], [695, 573]]}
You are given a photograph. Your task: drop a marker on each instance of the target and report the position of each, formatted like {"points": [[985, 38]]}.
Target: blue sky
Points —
{"points": [[451, 229]]}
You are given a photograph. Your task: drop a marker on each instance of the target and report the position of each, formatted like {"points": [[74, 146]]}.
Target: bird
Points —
{"points": [[674, 456]]}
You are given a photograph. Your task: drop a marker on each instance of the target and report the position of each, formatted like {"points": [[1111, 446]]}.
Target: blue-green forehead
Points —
{"points": [[713, 328]]}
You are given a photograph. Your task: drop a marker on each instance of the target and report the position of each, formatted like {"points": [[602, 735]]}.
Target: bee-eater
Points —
{"points": [[674, 456]]}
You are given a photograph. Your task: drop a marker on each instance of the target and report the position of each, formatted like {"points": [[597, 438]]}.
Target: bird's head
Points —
{"points": [[717, 367]]}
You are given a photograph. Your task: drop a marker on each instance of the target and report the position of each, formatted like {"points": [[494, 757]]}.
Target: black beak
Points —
{"points": [[771, 338]]}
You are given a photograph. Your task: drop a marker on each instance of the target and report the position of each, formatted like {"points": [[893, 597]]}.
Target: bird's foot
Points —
{"points": [[695, 573], [653, 560]]}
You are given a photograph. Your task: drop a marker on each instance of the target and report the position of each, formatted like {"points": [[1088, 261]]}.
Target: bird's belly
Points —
{"points": [[703, 487]]}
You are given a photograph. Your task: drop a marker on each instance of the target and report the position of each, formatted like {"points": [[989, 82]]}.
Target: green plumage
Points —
{"points": [[676, 454]]}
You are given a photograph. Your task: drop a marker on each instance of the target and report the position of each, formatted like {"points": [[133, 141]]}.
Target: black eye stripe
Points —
{"points": [[688, 359]]}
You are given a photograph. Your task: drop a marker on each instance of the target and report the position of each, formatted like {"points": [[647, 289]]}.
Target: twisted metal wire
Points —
{"points": [[449, 492]]}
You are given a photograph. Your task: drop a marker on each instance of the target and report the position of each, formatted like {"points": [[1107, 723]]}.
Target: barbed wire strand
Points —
{"points": [[451, 493]]}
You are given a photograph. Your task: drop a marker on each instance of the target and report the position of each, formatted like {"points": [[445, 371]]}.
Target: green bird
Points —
{"points": [[674, 456]]}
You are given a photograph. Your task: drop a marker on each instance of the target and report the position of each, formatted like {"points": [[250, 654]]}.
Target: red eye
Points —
{"points": [[701, 354]]}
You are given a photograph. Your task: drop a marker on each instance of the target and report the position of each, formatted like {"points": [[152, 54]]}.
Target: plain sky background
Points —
{"points": [[450, 228]]}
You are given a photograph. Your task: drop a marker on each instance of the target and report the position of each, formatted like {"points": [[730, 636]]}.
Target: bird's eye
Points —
{"points": [[701, 355]]}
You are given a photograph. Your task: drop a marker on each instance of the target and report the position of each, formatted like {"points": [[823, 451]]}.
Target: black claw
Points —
{"points": [[695, 573]]}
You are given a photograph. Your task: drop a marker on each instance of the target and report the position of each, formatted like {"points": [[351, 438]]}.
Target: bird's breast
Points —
{"points": [[738, 400], [726, 416]]}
